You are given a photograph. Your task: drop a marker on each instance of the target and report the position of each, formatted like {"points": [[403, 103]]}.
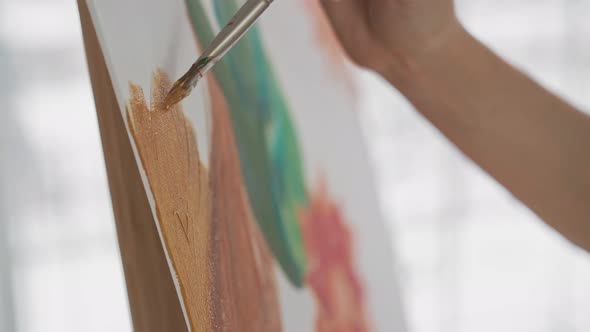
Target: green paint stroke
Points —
{"points": [[268, 148]]}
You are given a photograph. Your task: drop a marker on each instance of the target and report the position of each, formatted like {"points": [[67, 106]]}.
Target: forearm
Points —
{"points": [[532, 142]]}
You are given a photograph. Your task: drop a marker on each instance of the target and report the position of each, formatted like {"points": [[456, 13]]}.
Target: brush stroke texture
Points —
{"points": [[269, 153]]}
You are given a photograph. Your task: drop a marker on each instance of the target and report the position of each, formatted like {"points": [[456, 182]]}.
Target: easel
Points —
{"points": [[153, 300]]}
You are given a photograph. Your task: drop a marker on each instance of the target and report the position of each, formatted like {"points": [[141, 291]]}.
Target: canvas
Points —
{"points": [[259, 181]]}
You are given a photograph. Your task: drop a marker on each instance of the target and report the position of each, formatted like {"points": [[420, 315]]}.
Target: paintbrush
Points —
{"points": [[240, 23]]}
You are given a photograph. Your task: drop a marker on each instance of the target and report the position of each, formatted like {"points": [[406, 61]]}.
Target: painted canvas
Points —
{"points": [[259, 181]]}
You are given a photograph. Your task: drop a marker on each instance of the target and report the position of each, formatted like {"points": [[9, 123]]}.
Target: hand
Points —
{"points": [[378, 33]]}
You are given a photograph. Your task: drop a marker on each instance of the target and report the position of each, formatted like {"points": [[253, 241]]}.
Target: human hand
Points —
{"points": [[377, 34]]}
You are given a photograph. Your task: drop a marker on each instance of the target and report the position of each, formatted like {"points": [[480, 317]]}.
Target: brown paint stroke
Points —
{"points": [[223, 266], [245, 279]]}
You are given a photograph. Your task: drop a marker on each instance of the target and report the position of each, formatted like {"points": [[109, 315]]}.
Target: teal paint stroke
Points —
{"points": [[269, 152]]}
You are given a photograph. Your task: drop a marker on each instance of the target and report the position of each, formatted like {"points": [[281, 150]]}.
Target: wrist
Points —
{"points": [[404, 67]]}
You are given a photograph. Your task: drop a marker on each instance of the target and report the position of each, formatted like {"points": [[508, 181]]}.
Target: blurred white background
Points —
{"points": [[471, 258]]}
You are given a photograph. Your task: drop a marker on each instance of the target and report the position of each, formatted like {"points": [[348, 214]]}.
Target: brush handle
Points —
{"points": [[240, 23]]}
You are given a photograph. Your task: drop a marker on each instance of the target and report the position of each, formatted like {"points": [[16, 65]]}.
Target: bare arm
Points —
{"points": [[532, 142]]}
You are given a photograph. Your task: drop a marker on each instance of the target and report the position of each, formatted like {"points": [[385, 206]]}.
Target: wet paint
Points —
{"points": [[222, 264]]}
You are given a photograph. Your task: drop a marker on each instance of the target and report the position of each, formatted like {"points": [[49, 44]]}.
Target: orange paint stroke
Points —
{"points": [[180, 186], [222, 264]]}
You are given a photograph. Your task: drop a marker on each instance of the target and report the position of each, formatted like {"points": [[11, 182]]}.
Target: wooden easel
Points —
{"points": [[153, 299]]}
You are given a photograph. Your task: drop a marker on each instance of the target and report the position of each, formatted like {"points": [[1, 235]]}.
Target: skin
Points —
{"points": [[533, 143]]}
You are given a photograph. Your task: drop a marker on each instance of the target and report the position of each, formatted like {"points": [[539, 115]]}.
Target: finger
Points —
{"points": [[346, 16], [349, 22]]}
